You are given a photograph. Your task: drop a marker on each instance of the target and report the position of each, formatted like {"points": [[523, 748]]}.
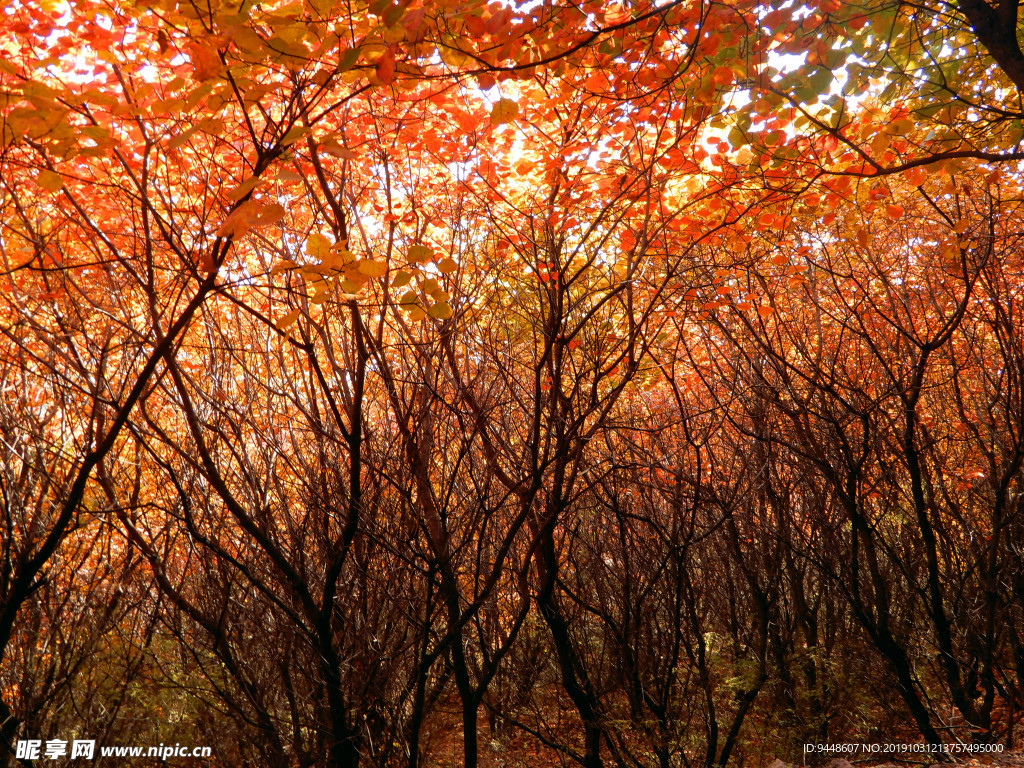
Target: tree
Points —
{"points": [[335, 333]]}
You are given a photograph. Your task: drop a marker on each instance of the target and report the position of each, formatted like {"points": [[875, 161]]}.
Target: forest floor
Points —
{"points": [[511, 748], [516, 750], [1014, 759]]}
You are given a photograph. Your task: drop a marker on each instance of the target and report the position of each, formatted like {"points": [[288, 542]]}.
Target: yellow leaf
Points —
{"points": [[336, 259], [283, 266], [881, 142], [291, 33], [50, 181], [452, 56], [372, 268], [318, 245], [442, 310], [246, 39], [270, 214], [336, 150], [198, 93], [447, 265], [97, 133], [504, 111], [395, 34], [287, 320], [420, 253], [294, 135], [243, 189], [180, 139], [401, 278], [900, 127], [239, 220]]}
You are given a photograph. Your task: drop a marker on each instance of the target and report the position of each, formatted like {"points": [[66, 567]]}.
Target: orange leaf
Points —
{"points": [[205, 61], [386, 67], [722, 76]]}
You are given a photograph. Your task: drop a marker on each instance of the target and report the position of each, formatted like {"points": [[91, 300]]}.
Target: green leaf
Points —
{"points": [[392, 14], [821, 81], [348, 59]]}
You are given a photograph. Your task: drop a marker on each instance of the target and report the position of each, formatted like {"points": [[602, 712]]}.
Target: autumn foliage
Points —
{"points": [[427, 383]]}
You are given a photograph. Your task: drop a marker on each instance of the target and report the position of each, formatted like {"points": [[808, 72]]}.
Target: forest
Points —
{"points": [[429, 383]]}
